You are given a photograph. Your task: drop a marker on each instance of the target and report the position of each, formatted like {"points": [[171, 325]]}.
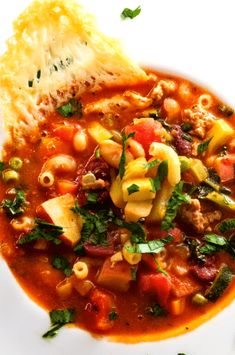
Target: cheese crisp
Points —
{"points": [[56, 53]]}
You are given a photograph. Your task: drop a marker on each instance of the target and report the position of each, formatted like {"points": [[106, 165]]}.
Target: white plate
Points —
{"points": [[191, 38]]}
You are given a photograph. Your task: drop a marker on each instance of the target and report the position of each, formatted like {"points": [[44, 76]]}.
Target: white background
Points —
{"points": [[191, 38]]}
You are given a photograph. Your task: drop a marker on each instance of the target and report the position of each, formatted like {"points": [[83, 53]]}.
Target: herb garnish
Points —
{"points": [[59, 318], [132, 189], [187, 137], [113, 315], [176, 200], [202, 147], [30, 83], [216, 243], [43, 230], [97, 153], [151, 246], [161, 175], [155, 310], [152, 164], [194, 249], [226, 110], [38, 74], [96, 225], [14, 207], [227, 225], [159, 268], [186, 127], [128, 13], [71, 108], [123, 156], [61, 263], [92, 197], [2, 165]]}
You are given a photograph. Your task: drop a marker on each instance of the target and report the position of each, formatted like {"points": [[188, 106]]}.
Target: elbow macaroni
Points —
{"points": [[80, 270], [131, 258]]}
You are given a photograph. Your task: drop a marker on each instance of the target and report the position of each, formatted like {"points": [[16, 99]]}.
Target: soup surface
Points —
{"points": [[120, 219]]}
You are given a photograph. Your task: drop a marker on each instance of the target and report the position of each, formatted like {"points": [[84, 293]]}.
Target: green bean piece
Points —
{"points": [[15, 163], [10, 175]]}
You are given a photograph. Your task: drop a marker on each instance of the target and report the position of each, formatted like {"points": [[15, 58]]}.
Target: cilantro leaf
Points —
{"points": [[123, 156], [61, 263], [128, 13], [113, 315], [14, 207], [155, 310], [227, 225], [186, 127], [202, 147], [176, 200], [132, 189], [58, 319], [43, 230], [161, 175], [151, 246], [92, 197], [71, 108], [152, 164], [215, 239], [2, 165]]}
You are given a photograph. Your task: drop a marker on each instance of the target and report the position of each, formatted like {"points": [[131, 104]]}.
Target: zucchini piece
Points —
{"points": [[221, 200], [184, 163], [160, 202], [221, 282], [198, 170], [220, 133]]}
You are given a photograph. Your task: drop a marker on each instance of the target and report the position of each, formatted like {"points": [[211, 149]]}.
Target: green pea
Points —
{"points": [[10, 175], [15, 163]]}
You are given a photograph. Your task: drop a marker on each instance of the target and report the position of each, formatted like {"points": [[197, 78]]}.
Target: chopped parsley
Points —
{"points": [[61, 263], [151, 246], [92, 197], [202, 147], [176, 200], [186, 127], [96, 224], [14, 207], [113, 315], [2, 165], [30, 83], [132, 189], [227, 225], [161, 175], [38, 74], [97, 153], [155, 310], [123, 156], [43, 230], [128, 13], [73, 107], [187, 137], [152, 164], [59, 318]]}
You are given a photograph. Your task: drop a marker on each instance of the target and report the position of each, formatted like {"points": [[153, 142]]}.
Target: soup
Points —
{"points": [[120, 218]]}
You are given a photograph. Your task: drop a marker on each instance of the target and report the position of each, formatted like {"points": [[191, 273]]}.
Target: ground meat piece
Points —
{"points": [[200, 119], [193, 216], [182, 146], [162, 89]]}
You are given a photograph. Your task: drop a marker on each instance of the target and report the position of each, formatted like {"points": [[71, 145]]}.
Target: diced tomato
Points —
{"points": [[102, 303], [156, 284], [177, 234], [65, 131], [115, 276], [66, 186], [225, 167], [146, 132], [184, 285]]}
